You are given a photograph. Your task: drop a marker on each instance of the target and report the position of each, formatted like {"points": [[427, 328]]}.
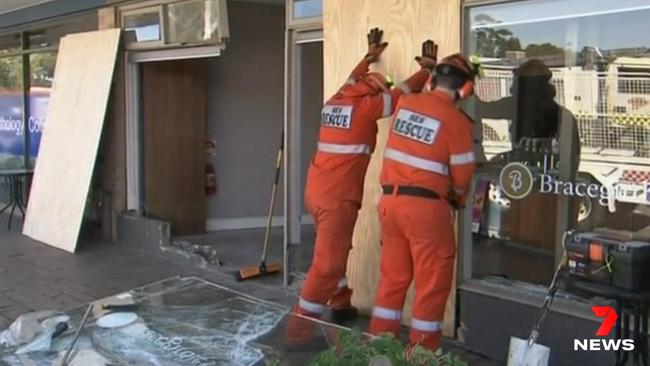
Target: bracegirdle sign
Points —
{"points": [[517, 181]]}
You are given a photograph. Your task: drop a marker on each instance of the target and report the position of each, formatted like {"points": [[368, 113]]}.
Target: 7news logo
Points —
{"points": [[599, 344]]}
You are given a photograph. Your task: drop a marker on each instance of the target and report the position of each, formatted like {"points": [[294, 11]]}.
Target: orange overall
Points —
{"points": [[334, 186], [428, 154]]}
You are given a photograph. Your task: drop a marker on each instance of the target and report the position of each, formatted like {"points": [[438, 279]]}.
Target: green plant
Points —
{"points": [[353, 350]]}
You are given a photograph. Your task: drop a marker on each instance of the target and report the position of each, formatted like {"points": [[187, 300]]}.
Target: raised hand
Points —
{"points": [[429, 56], [375, 46]]}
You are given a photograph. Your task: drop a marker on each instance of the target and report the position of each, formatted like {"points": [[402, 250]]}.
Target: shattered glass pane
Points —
{"points": [[180, 321], [193, 21]]}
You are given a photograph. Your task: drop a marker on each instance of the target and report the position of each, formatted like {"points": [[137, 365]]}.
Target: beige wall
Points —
{"points": [[406, 24], [245, 110]]}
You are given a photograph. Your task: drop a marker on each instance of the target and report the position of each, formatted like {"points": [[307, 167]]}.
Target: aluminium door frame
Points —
{"points": [[135, 200], [294, 38]]}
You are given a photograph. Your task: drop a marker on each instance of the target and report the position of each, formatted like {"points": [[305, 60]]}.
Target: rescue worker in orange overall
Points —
{"points": [[335, 179], [427, 171]]}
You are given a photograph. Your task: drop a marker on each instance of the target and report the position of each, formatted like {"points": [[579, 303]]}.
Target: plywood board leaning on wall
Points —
{"points": [[406, 23], [68, 150]]}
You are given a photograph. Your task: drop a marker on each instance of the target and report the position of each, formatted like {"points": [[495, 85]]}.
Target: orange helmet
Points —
{"points": [[459, 65], [369, 84], [377, 81]]}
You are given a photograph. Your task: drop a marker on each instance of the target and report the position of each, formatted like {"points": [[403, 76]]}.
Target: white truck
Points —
{"points": [[612, 109]]}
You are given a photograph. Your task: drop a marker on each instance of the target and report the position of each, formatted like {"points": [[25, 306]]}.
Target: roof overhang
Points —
{"points": [[16, 14]]}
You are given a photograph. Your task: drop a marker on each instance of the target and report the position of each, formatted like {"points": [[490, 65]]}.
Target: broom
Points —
{"points": [[264, 269]]}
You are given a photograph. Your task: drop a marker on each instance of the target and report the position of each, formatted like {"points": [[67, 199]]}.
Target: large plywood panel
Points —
{"points": [[68, 150], [406, 23]]}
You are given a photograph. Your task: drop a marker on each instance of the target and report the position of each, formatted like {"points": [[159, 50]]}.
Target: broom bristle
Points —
{"points": [[256, 271]]}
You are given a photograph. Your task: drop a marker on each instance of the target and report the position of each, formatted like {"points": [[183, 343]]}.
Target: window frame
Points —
{"points": [[465, 235], [142, 11], [307, 22], [24, 53], [148, 7]]}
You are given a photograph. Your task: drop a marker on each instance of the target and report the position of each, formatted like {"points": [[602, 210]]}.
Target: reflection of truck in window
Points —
{"points": [[12, 128], [612, 108]]}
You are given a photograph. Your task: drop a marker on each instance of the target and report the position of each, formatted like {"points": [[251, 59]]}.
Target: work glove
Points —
{"points": [[375, 46], [454, 201], [429, 56]]}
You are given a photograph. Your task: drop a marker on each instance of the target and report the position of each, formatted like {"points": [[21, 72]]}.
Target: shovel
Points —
{"points": [[524, 352], [44, 341]]}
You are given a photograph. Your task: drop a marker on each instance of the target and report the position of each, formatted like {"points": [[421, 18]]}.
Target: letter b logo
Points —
{"points": [[610, 316], [516, 180]]}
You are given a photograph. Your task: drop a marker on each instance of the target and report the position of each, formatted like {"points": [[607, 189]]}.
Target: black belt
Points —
{"points": [[411, 191]]}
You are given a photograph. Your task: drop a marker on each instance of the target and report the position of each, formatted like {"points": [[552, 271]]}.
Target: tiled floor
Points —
{"points": [[34, 276]]}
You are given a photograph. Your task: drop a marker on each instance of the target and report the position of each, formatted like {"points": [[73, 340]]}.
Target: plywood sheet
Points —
{"points": [[75, 116], [406, 23]]}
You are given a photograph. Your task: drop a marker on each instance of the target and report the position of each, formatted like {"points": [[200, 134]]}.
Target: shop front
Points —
{"points": [[561, 133], [27, 59], [562, 129]]}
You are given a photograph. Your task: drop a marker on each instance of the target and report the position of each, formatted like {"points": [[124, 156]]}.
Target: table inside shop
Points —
{"points": [[16, 179], [180, 321]]}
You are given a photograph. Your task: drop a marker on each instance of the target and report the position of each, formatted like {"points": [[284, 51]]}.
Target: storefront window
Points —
{"points": [[10, 44], [11, 106], [565, 94], [193, 21], [142, 27], [11, 112], [307, 8], [42, 76]]}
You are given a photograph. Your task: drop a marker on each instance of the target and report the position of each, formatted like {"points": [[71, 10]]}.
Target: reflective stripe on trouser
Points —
{"points": [[385, 320], [425, 332], [325, 280], [417, 244], [334, 227], [341, 299]]}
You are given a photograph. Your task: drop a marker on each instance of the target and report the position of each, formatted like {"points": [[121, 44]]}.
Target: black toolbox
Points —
{"points": [[614, 261]]}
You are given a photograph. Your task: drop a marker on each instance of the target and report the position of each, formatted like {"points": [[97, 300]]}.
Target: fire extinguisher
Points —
{"points": [[210, 180]]}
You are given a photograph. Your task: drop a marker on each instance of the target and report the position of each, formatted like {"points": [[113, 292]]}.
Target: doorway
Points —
{"points": [[173, 135], [304, 102]]}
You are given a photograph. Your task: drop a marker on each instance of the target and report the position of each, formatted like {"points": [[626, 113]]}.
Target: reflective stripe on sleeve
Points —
{"points": [[426, 325], [459, 191], [385, 313], [342, 283], [350, 81], [388, 104], [343, 148], [460, 159], [310, 307], [414, 161]]}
